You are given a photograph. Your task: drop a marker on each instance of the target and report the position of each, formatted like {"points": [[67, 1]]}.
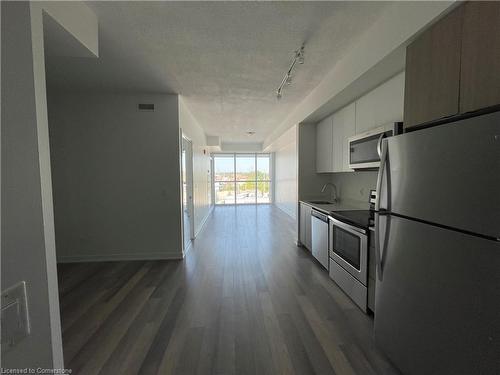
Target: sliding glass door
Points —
{"points": [[242, 178]]}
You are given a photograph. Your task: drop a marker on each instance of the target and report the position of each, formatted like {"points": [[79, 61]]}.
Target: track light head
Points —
{"points": [[300, 55]]}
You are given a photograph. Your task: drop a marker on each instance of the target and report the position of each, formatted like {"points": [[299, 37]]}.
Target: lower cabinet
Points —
{"points": [[305, 225]]}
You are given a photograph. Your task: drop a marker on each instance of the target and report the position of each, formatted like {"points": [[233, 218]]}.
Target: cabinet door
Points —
{"points": [[344, 124], [388, 103], [338, 135], [382, 105], [365, 119], [348, 130], [324, 147], [480, 70], [433, 72]]}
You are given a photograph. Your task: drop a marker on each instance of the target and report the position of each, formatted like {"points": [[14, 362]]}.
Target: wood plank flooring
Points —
{"points": [[245, 300]]}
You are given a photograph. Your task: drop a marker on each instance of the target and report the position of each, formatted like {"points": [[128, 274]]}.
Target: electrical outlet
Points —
{"points": [[14, 316]]}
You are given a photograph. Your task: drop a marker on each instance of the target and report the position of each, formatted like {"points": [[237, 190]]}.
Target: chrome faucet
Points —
{"points": [[334, 197]]}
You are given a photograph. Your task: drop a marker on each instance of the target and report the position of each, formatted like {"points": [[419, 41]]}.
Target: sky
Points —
{"points": [[243, 164]]}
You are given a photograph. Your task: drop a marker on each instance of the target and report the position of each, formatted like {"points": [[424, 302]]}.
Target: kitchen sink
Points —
{"points": [[320, 202]]}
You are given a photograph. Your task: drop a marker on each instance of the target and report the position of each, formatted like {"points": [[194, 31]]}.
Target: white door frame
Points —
{"points": [[187, 144]]}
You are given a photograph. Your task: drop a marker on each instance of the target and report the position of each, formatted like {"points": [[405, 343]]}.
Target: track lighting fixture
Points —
{"points": [[287, 78]]}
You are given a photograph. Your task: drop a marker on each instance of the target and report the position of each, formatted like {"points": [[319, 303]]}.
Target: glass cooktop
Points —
{"points": [[359, 218]]}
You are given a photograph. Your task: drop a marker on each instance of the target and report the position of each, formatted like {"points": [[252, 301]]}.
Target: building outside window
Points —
{"points": [[242, 178]]}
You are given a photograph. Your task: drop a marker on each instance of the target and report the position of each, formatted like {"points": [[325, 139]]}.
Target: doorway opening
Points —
{"points": [[187, 192], [242, 179]]}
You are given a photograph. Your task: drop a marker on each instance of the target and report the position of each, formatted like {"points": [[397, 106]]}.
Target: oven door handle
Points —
{"points": [[348, 228]]}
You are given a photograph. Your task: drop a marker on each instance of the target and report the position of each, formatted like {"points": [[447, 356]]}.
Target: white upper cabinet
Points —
{"points": [[331, 143], [382, 105], [344, 126], [324, 146], [338, 130], [349, 129]]}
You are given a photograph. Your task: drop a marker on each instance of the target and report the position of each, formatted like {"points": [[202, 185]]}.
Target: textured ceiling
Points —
{"points": [[225, 58]]}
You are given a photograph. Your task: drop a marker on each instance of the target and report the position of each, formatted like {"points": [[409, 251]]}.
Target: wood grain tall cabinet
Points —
{"points": [[454, 66], [432, 79], [480, 58]]}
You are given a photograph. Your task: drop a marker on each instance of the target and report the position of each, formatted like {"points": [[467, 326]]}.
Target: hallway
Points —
{"points": [[245, 300]]}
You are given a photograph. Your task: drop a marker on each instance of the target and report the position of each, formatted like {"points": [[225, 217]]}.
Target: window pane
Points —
{"points": [[263, 192], [263, 167], [224, 168], [245, 167], [224, 192], [241, 178], [245, 192]]}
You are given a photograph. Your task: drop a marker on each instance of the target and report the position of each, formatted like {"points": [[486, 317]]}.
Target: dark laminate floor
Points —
{"points": [[246, 300]]}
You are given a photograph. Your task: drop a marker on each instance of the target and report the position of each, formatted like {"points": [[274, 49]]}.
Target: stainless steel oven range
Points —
{"points": [[348, 248]]}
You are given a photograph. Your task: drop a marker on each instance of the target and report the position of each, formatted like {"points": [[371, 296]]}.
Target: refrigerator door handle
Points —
{"points": [[379, 145], [378, 257], [381, 241], [383, 162]]}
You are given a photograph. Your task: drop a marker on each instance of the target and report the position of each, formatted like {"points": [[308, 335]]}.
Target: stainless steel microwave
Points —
{"points": [[363, 148]]}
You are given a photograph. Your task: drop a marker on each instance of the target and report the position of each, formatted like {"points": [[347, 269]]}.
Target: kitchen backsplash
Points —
{"points": [[355, 185]]}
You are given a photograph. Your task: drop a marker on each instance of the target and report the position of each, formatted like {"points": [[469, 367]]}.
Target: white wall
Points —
{"points": [[202, 188], [355, 187], [285, 172], [23, 232], [116, 176], [28, 240]]}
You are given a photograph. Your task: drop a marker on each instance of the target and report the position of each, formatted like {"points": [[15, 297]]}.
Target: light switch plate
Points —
{"points": [[14, 316]]}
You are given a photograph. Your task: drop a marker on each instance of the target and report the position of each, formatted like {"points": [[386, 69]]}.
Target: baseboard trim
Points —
{"points": [[185, 251], [289, 213], [204, 221], [119, 257]]}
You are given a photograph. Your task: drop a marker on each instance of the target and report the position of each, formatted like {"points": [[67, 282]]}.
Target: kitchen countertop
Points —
{"points": [[342, 205]]}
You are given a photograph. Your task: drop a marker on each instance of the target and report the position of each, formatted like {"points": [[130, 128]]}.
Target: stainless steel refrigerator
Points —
{"points": [[437, 306]]}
